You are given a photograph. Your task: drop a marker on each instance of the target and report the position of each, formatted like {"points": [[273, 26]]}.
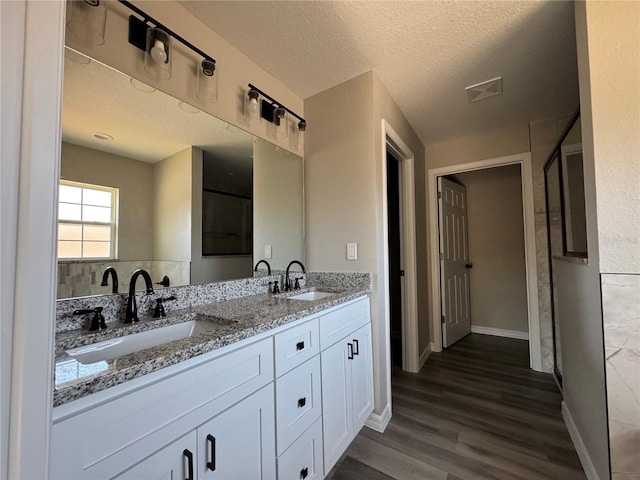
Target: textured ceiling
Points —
{"points": [[145, 126], [424, 52]]}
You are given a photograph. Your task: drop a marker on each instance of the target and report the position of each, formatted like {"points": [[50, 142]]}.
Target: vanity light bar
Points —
{"points": [[302, 124], [138, 30]]}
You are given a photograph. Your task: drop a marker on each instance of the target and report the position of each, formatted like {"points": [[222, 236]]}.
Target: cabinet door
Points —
{"points": [[176, 461], [336, 402], [361, 377], [239, 443]]}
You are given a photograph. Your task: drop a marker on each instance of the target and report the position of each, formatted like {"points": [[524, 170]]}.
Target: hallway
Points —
{"points": [[475, 411]]}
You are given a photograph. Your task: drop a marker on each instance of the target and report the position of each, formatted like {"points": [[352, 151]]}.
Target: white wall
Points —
{"points": [[278, 205], [498, 280], [12, 31], [31, 107], [133, 179]]}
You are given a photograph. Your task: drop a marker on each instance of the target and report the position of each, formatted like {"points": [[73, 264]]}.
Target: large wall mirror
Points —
{"points": [[148, 181]]}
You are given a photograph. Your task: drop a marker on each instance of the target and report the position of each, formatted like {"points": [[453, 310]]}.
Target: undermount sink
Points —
{"points": [[116, 347], [310, 296]]}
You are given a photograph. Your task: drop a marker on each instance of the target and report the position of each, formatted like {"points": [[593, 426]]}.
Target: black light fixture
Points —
{"points": [[155, 40], [271, 110]]}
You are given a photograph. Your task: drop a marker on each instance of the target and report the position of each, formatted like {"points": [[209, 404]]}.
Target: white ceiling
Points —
{"points": [[145, 126], [424, 52]]}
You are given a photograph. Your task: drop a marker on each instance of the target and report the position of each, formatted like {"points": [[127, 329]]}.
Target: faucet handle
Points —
{"points": [[97, 322], [276, 287], [165, 282], [296, 285], [159, 311]]}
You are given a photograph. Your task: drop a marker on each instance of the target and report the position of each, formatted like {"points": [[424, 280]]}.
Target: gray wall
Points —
{"points": [[344, 189], [133, 178], [278, 205], [498, 282]]}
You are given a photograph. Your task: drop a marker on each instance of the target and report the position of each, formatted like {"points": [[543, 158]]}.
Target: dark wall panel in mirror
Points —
{"points": [[155, 152]]}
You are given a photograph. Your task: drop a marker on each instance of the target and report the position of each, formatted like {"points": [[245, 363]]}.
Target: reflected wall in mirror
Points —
{"points": [[573, 193], [160, 157]]}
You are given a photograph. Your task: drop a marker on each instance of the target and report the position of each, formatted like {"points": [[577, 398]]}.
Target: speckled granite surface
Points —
{"points": [[235, 316]]}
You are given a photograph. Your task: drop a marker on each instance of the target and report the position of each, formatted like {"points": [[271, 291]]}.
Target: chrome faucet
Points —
{"points": [[255, 269], [287, 281], [131, 314], [114, 279]]}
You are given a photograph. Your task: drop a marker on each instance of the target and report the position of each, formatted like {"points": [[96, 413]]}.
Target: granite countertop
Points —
{"points": [[231, 321]]}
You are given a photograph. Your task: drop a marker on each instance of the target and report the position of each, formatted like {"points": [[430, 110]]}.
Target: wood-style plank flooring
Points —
{"points": [[475, 411]]}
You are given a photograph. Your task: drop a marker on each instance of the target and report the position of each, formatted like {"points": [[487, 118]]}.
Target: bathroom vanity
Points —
{"points": [[277, 388]]}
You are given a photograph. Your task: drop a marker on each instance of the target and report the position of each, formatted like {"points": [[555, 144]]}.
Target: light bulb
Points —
{"points": [[253, 105], [158, 52]]}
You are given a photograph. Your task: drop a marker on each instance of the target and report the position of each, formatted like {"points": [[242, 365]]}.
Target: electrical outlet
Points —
{"points": [[352, 251], [267, 251]]}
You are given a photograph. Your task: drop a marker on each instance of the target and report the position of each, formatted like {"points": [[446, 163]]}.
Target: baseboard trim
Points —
{"points": [[423, 356], [581, 450], [379, 422], [499, 332]]}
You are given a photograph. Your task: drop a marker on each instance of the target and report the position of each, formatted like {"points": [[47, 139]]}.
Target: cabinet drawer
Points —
{"points": [[338, 324], [132, 426], [296, 345], [298, 402], [303, 459]]}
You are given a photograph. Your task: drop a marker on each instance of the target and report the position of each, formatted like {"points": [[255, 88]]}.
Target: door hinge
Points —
{"points": [[402, 273], [442, 318], [441, 256], [439, 195]]}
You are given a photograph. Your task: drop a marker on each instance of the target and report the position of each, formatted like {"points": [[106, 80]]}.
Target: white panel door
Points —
{"points": [[176, 461], [239, 444], [361, 377], [336, 402], [454, 260]]}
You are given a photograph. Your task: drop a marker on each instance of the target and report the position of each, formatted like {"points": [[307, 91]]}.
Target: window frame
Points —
{"points": [[113, 223]]}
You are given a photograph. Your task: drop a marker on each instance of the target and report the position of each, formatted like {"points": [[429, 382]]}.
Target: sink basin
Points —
{"points": [[116, 347], [310, 296]]}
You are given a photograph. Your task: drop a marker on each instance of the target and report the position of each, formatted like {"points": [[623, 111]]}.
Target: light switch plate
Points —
{"points": [[352, 251], [267, 251]]}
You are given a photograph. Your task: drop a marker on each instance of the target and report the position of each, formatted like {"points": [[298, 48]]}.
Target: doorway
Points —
{"points": [[395, 258], [524, 160], [401, 161]]}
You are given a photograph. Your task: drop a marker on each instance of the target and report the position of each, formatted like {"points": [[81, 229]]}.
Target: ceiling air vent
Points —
{"points": [[483, 90]]}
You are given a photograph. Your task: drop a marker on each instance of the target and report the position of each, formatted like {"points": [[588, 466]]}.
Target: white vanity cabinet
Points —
{"points": [[347, 388], [175, 461], [238, 443], [284, 404]]}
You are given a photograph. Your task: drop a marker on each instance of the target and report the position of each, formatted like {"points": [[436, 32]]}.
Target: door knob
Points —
{"points": [[468, 266]]}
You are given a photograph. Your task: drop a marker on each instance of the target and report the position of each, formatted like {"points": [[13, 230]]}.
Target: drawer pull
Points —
{"points": [[350, 352], [304, 472], [189, 457], [300, 346], [211, 440], [302, 402], [356, 347]]}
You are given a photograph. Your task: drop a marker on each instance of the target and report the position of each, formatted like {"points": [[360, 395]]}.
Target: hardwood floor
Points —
{"points": [[475, 411]]}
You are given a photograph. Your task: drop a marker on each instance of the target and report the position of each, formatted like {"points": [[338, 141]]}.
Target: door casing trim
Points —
{"points": [[528, 213]]}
